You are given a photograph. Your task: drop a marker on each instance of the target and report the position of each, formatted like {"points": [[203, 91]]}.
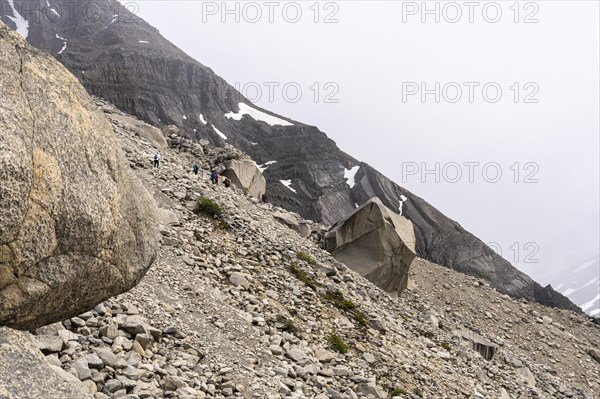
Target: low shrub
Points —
{"points": [[397, 392], [339, 301], [208, 207], [302, 276], [338, 344], [306, 257], [360, 318]]}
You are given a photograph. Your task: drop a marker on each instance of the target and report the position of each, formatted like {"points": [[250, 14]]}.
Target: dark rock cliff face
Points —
{"points": [[120, 57]]}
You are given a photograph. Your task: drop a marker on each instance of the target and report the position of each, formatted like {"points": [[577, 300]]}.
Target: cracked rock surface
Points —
{"points": [[77, 226]]}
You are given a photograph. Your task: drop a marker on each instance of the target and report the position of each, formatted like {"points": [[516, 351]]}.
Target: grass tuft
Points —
{"points": [[338, 344], [306, 257], [397, 392], [208, 207], [339, 301], [360, 318], [302, 276]]}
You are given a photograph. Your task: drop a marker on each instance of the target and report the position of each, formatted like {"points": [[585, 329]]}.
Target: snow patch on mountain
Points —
{"points": [[115, 18], [143, 41], [245, 109], [288, 184], [52, 9], [64, 47], [350, 174], [21, 23], [219, 133], [265, 165], [580, 283], [403, 199], [201, 117], [590, 304]]}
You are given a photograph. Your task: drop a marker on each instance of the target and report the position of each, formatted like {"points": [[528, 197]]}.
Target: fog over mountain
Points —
{"points": [[545, 222]]}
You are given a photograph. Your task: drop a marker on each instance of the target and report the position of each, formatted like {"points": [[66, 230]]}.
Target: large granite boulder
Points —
{"points": [[154, 135], [376, 243], [76, 226], [27, 374], [245, 175]]}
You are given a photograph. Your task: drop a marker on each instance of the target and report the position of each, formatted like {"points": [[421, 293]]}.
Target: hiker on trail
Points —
{"points": [[156, 159], [196, 168], [213, 177], [217, 177]]}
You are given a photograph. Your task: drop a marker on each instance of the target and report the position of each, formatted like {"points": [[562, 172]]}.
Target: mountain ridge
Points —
{"points": [[120, 57]]}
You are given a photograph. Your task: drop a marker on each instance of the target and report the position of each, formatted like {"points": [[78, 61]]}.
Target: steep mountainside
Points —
{"points": [[582, 283], [120, 57], [246, 308]]}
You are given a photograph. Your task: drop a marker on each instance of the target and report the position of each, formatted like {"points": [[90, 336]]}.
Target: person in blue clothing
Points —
{"points": [[196, 168], [213, 177]]}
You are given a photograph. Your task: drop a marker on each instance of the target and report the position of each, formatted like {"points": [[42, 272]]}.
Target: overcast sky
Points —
{"points": [[361, 67]]}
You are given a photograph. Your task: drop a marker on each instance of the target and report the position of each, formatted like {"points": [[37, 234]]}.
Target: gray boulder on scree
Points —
{"points": [[76, 226], [376, 243]]}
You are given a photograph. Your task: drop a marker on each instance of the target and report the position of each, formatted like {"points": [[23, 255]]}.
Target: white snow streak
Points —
{"points": [[21, 23], [265, 165], [584, 266], [591, 303], [64, 44], [219, 133], [569, 291], [245, 109], [52, 9], [115, 18], [202, 119], [403, 199], [288, 184], [350, 174], [143, 41]]}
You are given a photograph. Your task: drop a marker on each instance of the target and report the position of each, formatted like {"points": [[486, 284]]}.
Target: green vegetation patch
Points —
{"points": [[397, 392], [304, 277], [339, 301], [208, 207], [338, 344], [306, 257]]}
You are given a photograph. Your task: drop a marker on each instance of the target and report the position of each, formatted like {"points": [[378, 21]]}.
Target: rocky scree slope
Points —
{"points": [[76, 227], [245, 307], [120, 57]]}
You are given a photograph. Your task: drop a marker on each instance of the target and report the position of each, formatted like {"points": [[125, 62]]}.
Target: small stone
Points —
{"points": [[83, 371], [107, 357], [49, 343], [144, 340], [238, 279], [138, 349], [109, 331], [296, 354], [94, 361]]}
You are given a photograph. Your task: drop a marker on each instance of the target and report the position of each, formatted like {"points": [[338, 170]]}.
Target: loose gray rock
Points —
{"points": [[27, 374], [376, 243], [245, 175]]}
